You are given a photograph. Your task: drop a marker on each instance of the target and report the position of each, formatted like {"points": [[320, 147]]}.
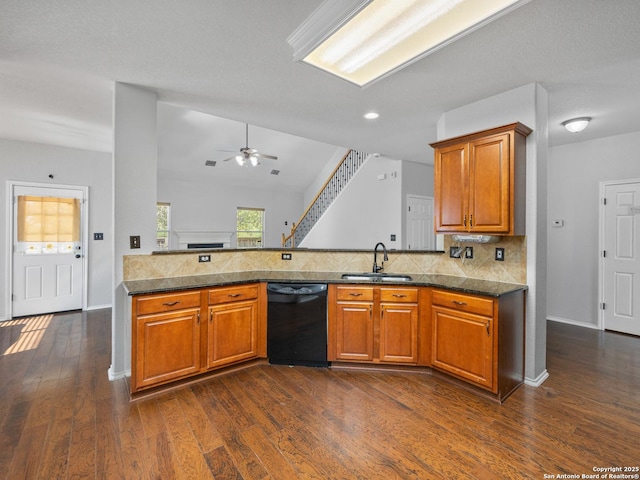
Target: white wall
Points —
{"points": [[135, 160], [31, 162], [575, 172], [528, 105], [417, 179], [198, 205], [366, 212]]}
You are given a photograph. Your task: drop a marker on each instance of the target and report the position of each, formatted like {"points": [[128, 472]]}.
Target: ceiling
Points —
{"points": [[231, 59]]}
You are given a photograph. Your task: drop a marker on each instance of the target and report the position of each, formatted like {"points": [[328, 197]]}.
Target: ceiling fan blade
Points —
{"points": [[264, 155], [230, 158]]}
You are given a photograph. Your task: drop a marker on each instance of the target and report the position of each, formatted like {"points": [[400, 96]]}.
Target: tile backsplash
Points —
{"points": [[483, 264]]}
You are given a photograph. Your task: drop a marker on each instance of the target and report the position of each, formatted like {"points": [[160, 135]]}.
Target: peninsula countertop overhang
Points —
{"points": [[449, 282]]}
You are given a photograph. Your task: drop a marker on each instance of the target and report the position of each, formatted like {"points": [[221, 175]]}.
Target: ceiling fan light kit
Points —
{"points": [[249, 156]]}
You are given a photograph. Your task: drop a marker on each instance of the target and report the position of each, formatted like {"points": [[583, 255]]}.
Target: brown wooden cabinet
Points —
{"points": [[373, 324], [480, 182], [399, 325], [182, 334], [166, 338], [479, 339], [233, 329]]}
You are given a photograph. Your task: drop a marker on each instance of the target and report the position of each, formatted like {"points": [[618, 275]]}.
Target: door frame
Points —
{"points": [[84, 220], [601, 242]]}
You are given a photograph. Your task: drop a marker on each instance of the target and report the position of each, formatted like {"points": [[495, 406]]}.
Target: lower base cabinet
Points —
{"points": [[479, 339], [374, 324], [172, 339], [233, 326], [474, 338]]}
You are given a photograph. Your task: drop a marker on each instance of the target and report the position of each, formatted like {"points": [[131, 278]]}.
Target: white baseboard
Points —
{"points": [[98, 307], [572, 322], [117, 375], [539, 380]]}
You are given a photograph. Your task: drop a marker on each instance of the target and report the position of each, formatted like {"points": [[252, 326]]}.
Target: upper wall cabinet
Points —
{"points": [[480, 182]]}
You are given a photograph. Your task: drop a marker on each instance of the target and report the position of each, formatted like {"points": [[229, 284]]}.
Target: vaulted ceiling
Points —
{"points": [[231, 59]]}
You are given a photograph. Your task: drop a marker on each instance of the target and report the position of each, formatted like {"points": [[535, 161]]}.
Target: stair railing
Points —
{"points": [[338, 179]]}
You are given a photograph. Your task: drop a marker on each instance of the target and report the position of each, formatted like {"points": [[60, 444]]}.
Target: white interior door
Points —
{"points": [[47, 261], [420, 228], [621, 258]]}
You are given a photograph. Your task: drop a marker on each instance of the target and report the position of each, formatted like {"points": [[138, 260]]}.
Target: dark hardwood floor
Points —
{"points": [[61, 418]]}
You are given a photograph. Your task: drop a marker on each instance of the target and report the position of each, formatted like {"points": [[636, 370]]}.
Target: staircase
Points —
{"points": [[340, 177]]}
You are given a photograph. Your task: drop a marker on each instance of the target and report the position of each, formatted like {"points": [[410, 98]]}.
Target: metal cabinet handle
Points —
{"points": [[464, 222], [355, 294], [471, 220], [170, 304], [399, 295], [210, 316], [488, 324], [198, 318], [234, 295], [462, 304]]}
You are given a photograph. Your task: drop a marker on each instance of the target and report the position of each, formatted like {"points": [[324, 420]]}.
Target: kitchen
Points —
{"points": [[563, 263]]}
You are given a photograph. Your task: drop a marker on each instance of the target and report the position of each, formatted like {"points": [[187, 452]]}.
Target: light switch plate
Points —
{"points": [[134, 241]]}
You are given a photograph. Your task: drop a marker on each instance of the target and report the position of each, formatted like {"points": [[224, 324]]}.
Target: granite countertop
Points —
{"points": [[449, 282]]}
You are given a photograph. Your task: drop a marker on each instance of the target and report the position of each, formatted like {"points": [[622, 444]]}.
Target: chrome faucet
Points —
{"points": [[377, 268]]}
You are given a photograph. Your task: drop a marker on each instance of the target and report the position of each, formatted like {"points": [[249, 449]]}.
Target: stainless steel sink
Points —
{"points": [[376, 277]]}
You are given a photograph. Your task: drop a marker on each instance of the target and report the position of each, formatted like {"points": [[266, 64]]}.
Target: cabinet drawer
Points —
{"points": [[399, 295], [167, 302], [233, 294], [462, 302], [356, 294]]}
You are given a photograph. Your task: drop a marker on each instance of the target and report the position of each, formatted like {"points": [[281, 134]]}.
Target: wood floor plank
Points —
{"points": [[26, 460], [62, 418], [221, 464], [244, 459], [205, 432], [184, 442]]}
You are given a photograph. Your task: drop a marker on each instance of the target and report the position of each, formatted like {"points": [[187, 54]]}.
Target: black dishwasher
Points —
{"points": [[297, 324]]}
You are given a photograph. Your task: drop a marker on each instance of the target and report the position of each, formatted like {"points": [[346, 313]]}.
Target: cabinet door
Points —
{"points": [[451, 197], [398, 333], [167, 347], [233, 333], [462, 344], [490, 189], [354, 331]]}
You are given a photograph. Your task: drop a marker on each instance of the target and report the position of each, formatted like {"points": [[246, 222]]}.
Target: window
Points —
{"points": [[250, 227], [48, 224], [163, 225]]}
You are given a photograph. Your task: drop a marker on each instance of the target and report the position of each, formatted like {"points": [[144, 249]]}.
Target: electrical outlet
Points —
{"points": [[134, 241], [500, 254], [286, 256], [455, 252], [204, 258], [468, 252], [98, 236]]}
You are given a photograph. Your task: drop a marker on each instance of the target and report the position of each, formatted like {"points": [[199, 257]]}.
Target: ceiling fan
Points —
{"points": [[249, 156]]}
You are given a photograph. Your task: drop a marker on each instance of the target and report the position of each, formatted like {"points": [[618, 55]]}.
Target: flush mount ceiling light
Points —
{"points": [[576, 125], [371, 115], [363, 41]]}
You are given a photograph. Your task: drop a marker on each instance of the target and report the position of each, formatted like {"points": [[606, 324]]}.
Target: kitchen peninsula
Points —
{"points": [[471, 329]]}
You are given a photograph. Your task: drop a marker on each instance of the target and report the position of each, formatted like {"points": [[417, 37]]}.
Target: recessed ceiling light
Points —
{"points": [[371, 115], [365, 40]]}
